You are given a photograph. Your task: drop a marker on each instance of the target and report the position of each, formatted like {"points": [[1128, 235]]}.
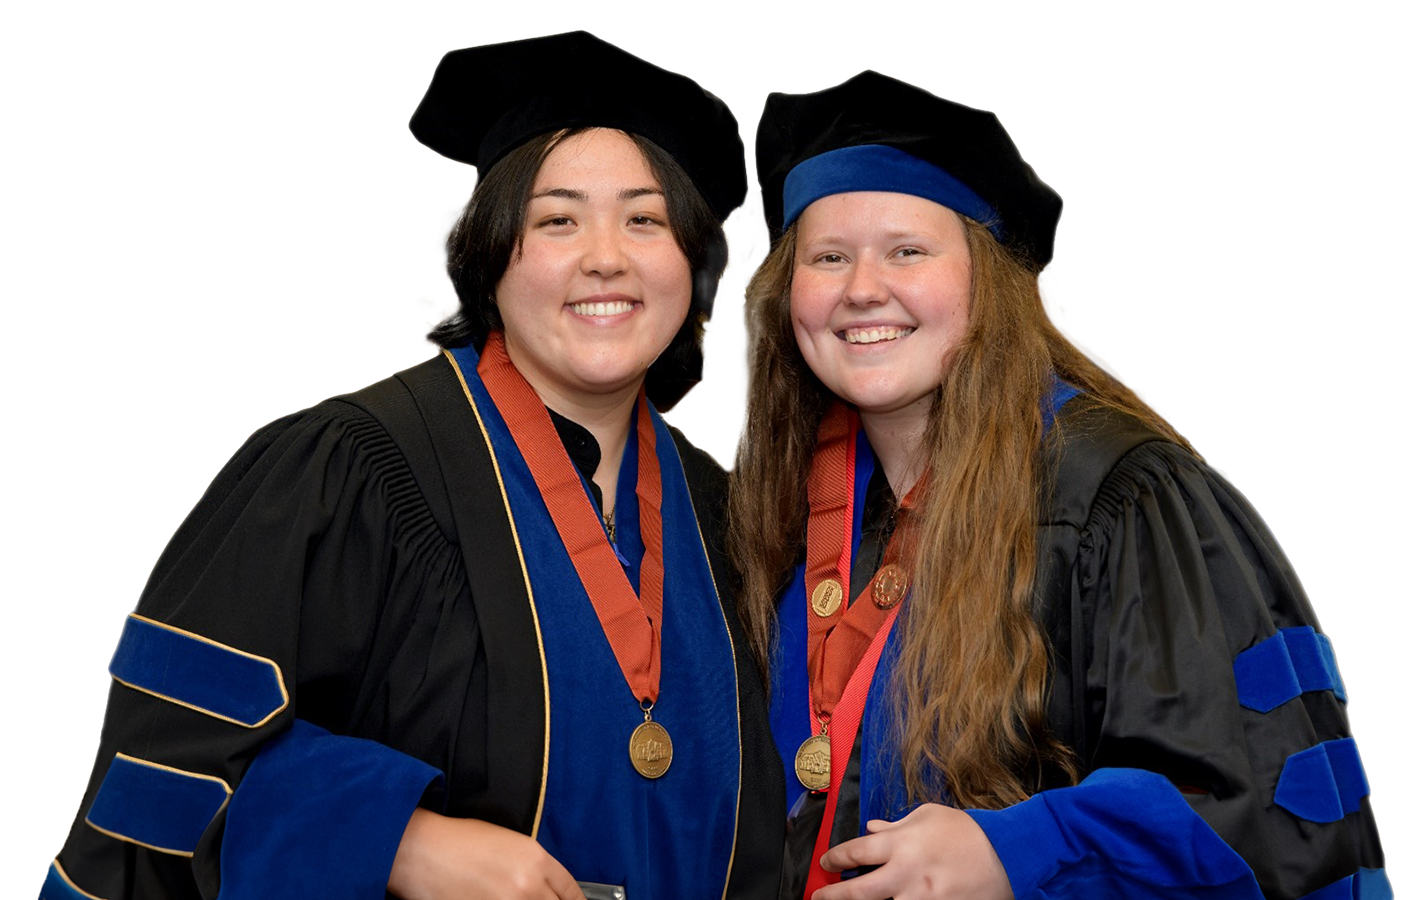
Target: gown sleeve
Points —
{"points": [[307, 552], [1217, 733]]}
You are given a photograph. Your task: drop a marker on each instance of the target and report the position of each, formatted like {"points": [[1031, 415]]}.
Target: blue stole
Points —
{"points": [[669, 837], [882, 794]]}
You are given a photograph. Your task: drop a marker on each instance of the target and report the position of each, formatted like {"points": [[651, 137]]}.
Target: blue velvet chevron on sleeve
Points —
{"points": [[1120, 833], [319, 815], [1286, 665]]}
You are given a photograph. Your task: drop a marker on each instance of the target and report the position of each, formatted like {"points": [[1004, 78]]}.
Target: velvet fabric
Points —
{"points": [[1284, 667], [1119, 835], [668, 837], [156, 806], [58, 887], [321, 816], [1153, 577], [485, 101], [196, 672], [364, 546], [1323, 783], [872, 167], [970, 145]]}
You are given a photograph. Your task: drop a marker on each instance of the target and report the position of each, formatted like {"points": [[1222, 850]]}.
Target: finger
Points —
{"points": [[877, 825], [873, 886], [869, 850], [562, 883]]}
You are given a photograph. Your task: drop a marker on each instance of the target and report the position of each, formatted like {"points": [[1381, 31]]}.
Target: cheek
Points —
{"points": [[808, 308], [671, 272]]}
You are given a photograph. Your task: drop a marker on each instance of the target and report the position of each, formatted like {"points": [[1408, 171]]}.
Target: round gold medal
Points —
{"points": [[828, 594], [890, 585], [650, 750], [811, 762]]}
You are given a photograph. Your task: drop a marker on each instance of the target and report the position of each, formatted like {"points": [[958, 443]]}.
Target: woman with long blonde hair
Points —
{"points": [[1020, 639]]}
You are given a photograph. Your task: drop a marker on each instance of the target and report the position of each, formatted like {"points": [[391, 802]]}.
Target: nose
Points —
{"points": [[866, 286], [604, 253]]}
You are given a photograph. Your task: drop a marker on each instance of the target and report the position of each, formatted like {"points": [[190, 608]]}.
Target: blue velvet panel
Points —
{"points": [[669, 837], [199, 673], [156, 806], [1285, 666], [1365, 884], [58, 887], [1323, 783], [320, 815], [875, 167], [1120, 834]]}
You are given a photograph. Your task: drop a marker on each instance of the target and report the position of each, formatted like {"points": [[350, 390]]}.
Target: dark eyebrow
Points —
{"points": [[633, 193], [564, 193]]}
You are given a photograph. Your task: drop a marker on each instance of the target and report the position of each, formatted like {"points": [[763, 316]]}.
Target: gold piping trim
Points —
{"points": [[735, 678], [528, 587], [280, 678], [69, 881], [152, 765]]}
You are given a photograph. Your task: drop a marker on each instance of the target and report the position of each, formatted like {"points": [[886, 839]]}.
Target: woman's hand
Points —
{"points": [[933, 852], [441, 858]]}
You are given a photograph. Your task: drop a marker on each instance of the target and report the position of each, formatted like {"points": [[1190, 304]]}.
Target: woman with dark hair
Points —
{"points": [[1021, 640], [464, 633]]}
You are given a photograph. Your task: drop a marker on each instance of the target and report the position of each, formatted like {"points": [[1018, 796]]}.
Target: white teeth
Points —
{"points": [[875, 335], [612, 308]]}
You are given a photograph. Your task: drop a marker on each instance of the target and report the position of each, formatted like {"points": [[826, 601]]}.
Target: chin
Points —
{"points": [[608, 377], [886, 401]]}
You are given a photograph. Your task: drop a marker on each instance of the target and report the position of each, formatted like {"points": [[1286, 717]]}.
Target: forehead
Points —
{"points": [[592, 158], [876, 213]]}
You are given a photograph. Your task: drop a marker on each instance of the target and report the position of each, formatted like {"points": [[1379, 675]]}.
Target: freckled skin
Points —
{"points": [[870, 258]]}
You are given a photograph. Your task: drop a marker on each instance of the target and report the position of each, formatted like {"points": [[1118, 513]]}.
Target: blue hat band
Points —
{"points": [[877, 167]]}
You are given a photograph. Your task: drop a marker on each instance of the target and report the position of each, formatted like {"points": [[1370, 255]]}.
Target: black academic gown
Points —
{"points": [[363, 548], [1184, 646]]}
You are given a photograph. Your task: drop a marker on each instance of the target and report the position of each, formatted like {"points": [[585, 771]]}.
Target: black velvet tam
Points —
{"points": [[486, 101], [870, 108]]}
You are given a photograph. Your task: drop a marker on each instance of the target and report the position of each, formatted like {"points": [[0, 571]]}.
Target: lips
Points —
{"points": [[875, 334]]}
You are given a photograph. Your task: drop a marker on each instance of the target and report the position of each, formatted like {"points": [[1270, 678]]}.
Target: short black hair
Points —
{"points": [[490, 231]]}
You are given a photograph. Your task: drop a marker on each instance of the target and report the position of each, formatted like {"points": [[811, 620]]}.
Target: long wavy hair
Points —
{"points": [[970, 686]]}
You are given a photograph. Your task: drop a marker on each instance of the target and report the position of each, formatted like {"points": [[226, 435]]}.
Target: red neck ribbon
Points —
{"points": [[632, 624], [844, 647]]}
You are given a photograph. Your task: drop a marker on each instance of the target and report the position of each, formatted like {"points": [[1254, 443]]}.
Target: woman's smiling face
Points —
{"points": [[600, 286], [880, 297]]}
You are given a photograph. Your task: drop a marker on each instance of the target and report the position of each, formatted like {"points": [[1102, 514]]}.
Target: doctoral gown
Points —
{"points": [[365, 613], [1190, 679]]}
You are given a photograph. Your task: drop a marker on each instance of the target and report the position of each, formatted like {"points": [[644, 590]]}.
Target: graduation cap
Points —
{"points": [[486, 101], [875, 133]]}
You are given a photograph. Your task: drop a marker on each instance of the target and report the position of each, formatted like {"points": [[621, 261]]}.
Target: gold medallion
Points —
{"points": [[889, 586], [828, 594], [811, 762], [650, 750]]}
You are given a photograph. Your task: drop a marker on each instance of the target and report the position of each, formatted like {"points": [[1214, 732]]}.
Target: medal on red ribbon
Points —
{"points": [[844, 644], [631, 623]]}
